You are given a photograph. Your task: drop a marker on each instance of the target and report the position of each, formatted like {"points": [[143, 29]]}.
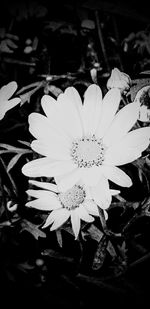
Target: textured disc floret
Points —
{"points": [[73, 197], [88, 151]]}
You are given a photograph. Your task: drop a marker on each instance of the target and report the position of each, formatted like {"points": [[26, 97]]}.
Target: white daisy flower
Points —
{"points": [[77, 203], [86, 141], [5, 94]]}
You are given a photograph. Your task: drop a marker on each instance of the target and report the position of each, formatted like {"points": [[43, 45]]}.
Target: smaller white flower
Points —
{"points": [[144, 114], [143, 98], [5, 94], [119, 80], [77, 203]]}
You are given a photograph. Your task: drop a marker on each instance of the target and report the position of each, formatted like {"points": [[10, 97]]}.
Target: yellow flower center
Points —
{"points": [[73, 197], [88, 151]]}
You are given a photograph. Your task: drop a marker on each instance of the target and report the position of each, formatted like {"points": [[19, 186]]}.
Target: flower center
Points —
{"points": [[73, 197], [88, 151]]}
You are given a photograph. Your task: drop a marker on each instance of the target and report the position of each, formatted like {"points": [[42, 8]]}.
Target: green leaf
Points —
{"points": [[95, 233], [13, 161], [100, 254], [59, 237], [57, 255], [32, 229], [111, 249]]}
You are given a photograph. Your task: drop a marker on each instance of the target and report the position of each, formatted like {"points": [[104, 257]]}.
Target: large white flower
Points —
{"points": [[77, 203], [86, 141], [5, 94]]}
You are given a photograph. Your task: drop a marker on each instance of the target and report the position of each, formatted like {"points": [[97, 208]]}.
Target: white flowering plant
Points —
{"points": [[74, 173], [85, 174]]}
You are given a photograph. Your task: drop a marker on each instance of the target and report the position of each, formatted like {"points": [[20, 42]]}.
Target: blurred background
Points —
{"points": [[57, 37]]}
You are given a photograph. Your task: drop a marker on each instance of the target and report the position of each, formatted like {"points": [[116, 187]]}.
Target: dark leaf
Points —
{"points": [[32, 228], [95, 233], [13, 161], [57, 255], [59, 237], [100, 253]]}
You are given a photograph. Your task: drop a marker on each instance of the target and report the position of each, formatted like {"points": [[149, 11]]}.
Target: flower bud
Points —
{"points": [[119, 80]]}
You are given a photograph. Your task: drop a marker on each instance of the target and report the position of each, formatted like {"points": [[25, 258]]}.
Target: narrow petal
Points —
{"points": [[8, 90], [45, 167], [109, 108], [101, 193], [117, 176], [122, 123], [56, 215], [67, 181], [91, 207], [61, 218], [44, 185], [83, 214], [44, 204], [114, 192], [91, 176], [105, 214], [75, 221], [55, 151], [92, 108], [42, 194]]}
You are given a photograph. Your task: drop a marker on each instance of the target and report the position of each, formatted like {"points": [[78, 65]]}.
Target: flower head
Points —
{"points": [[77, 203], [85, 142], [143, 98], [119, 80], [5, 94]]}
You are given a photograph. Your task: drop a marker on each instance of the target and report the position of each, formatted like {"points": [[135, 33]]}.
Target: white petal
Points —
{"points": [[122, 123], [91, 207], [44, 185], [45, 167], [56, 215], [117, 176], [75, 221], [101, 193], [67, 181], [129, 148], [91, 176], [136, 137], [121, 155], [7, 105], [44, 204], [83, 214], [41, 128], [55, 151], [105, 215], [55, 116], [8, 90], [109, 108], [66, 112], [92, 108], [42, 194], [61, 218], [11, 103], [114, 192]]}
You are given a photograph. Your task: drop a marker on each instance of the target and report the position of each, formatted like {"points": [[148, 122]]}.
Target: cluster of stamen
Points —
{"points": [[88, 151], [73, 197]]}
